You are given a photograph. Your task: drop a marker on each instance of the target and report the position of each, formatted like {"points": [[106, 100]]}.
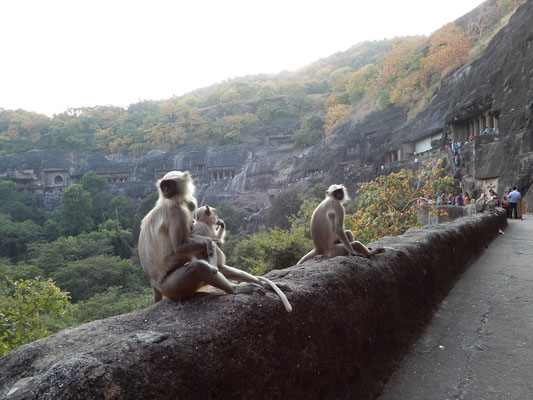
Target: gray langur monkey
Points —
{"points": [[208, 224], [485, 204], [327, 229], [172, 258]]}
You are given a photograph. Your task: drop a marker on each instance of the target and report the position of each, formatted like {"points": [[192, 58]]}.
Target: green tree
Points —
{"points": [[121, 209], [87, 277], [19, 271], [311, 132], [234, 219], [114, 301], [51, 230], [16, 236], [95, 185], [19, 206], [76, 211], [52, 256], [283, 205], [29, 310], [273, 249], [144, 208], [120, 239]]}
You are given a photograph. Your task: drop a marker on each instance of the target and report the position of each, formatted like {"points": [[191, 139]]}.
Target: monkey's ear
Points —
{"points": [[207, 210]]}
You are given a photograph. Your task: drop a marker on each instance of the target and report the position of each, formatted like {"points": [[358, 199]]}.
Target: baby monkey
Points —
{"points": [[208, 224], [327, 229]]}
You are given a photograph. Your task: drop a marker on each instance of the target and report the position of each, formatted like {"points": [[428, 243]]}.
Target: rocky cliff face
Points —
{"points": [[499, 84]]}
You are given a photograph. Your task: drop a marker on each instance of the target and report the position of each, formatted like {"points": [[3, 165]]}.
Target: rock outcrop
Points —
{"points": [[353, 319]]}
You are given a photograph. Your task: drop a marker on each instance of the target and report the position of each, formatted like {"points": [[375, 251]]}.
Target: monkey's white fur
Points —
{"points": [[327, 228]]}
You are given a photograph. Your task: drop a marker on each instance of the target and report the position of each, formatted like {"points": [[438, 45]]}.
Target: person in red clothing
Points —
{"points": [[505, 204]]}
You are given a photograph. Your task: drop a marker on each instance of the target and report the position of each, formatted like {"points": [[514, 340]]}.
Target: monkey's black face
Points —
{"points": [[170, 188], [338, 194]]}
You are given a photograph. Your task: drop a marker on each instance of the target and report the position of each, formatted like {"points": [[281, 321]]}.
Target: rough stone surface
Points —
{"points": [[353, 319]]}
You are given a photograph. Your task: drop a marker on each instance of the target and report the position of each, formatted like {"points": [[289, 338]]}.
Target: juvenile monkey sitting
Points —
{"points": [[327, 229], [208, 224]]}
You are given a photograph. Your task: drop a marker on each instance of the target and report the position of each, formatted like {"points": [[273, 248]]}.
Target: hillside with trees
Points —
{"points": [[78, 263], [369, 76]]}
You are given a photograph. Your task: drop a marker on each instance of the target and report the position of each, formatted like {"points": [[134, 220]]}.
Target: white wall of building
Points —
{"points": [[425, 144]]}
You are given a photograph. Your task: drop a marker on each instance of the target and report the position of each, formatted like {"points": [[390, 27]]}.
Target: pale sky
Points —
{"points": [[58, 54]]}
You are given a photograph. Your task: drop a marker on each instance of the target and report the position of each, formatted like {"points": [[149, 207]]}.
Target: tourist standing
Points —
{"points": [[514, 197]]}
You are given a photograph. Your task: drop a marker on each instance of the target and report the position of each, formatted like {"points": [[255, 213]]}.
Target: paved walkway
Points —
{"points": [[479, 344]]}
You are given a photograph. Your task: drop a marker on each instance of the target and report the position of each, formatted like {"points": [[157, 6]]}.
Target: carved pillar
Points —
{"points": [[488, 120]]}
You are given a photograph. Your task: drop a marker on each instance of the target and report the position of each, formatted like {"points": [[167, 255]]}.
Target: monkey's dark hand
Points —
{"points": [[248, 288], [212, 268], [221, 223]]}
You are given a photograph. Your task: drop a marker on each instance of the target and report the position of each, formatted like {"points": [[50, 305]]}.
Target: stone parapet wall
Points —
{"points": [[353, 320], [432, 215]]}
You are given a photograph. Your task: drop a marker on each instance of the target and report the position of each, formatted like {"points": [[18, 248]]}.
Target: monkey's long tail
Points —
{"points": [[309, 255], [281, 295]]}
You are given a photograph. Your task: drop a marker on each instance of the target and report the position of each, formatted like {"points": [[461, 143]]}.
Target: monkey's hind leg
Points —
{"points": [[349, 235], [157, 295], [361, 248], [199, 272], [338, 249]]}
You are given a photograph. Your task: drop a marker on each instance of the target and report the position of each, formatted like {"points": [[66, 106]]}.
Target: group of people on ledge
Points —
{"points": [[450, 200], [511, 201]]}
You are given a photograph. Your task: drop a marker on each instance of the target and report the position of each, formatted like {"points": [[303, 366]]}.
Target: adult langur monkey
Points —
{"points": [[327, 229], [208, 224], [166, 247]]}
